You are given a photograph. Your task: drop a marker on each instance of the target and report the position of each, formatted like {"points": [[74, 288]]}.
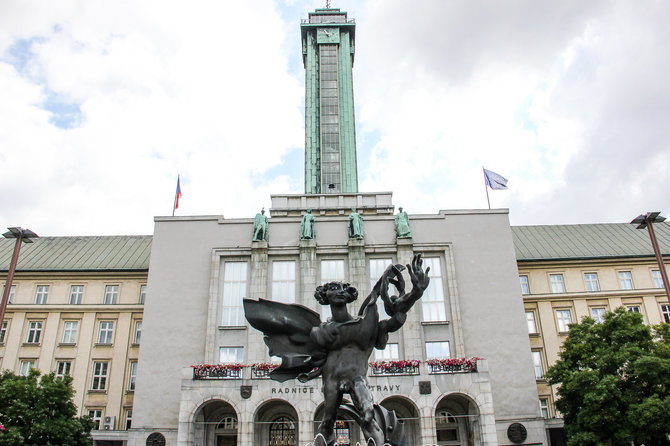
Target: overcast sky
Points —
{"points": [[103, 104]]}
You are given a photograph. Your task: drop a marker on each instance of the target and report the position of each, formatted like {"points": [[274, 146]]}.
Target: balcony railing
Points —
{"points": [[217, 371], [395, 370], [436, 366], [261, 371]]}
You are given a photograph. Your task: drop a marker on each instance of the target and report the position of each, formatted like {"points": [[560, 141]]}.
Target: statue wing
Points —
{"points": [[287, 330]]}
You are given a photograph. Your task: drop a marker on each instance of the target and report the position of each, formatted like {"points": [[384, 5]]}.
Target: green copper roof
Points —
{"points": [[590, 241], [99, 253]]}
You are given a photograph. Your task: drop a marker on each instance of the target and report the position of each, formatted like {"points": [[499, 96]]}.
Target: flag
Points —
{"points": [[177, 195], [495, 181]]}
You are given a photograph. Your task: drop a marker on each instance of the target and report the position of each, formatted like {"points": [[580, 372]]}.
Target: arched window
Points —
{"points": [[227, 423], [156, 439], [282, 432], [446, 425]]}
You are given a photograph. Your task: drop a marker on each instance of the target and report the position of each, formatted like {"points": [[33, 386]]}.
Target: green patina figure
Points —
{"points": [[260, 226], [402, 224], [307, 226], [355, 224]]}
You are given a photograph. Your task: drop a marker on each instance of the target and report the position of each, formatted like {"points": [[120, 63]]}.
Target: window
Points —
{"points": [[331, 271], [111, 294], [129, 418], [591, 280], [12, 291], [446, 428], [106, 334], [138, 332], [132, 375], [598, 315], [537, 364], [377, 268], [96, 416], [283, 282], [437, 350], [665, 311], [625, 280], [99, 381], [26, 365], [432, 302], [390, 352], [229, 355], [530, 321], [556, 281], [658, 279], [633, 309], [41, 294], [63, 369], [564, 319], [143, 293], [544, 407], [76, 294], [283, 431], [34, 332], [234, 289], [3, 332], [70, 332], [525, 288]]}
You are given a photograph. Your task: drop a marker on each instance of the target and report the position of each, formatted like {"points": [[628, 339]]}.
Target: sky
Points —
{"points": [[103, 104]]}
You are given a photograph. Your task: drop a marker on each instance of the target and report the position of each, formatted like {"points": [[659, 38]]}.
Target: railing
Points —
{"points": [[261, 372], [395, 370], [452, 368], [216, 372]]}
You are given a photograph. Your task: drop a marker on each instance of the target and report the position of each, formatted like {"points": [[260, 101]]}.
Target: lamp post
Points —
{"points": [[22, 236], [646, 221]]}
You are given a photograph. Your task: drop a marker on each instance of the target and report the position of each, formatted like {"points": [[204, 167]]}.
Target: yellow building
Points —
{"points": [[76, 308], [568, 272]]}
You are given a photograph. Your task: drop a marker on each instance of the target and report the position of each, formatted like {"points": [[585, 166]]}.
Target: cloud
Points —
{"points": [[114, 100]]}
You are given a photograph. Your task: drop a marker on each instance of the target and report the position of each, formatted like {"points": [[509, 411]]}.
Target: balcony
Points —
{"points": [[455, 365], [217, 371], [262, 370], [395, 368]]}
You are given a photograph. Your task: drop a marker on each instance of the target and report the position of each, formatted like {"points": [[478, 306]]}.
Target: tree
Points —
{"points": [[614, 381], [40, 413]]}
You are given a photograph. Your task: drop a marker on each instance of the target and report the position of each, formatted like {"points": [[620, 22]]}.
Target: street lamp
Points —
{"points": [[21, 235], [646, 221]]}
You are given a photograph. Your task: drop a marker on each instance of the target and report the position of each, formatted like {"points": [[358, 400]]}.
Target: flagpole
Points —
{"points": [[176, 193], [486, 188]]}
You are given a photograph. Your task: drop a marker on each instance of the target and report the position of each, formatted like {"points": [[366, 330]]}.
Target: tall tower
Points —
{"points": [[330, 136]]}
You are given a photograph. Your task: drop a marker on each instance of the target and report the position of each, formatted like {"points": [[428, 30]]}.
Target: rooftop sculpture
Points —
{"points": [[339, 349]]}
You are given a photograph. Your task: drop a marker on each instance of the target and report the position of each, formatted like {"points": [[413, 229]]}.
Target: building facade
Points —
{"points": [[568, 272], [196, 318], [76, 309]]}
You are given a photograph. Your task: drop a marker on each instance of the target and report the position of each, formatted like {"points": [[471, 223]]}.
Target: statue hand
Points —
{"points": [[419, 278]]}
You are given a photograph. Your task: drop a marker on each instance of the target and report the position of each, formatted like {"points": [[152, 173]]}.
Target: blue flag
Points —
{"points": [[495, 181]]}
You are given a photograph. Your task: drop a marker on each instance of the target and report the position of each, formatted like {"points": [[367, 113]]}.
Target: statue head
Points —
{"points": [[335, 293], [400, 208], [309, 211], [263, 211], [353, 210]]}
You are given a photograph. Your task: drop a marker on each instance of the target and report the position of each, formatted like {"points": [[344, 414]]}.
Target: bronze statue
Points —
{"points": [[402, 224], [355, 224], [307, 226], [260, 226], [339, 349]]}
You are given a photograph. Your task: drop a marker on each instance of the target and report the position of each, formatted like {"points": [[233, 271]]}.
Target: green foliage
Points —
{"points": [[615, 381], [40, 412]]}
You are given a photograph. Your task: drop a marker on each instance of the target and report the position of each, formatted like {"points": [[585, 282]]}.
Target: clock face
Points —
{"points": [[327, 35]]}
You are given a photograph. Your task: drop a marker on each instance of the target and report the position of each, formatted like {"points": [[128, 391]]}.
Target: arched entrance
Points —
{"points": [[406, 412], [276, 424], [216, 424], [347, 432], [457, 421]]}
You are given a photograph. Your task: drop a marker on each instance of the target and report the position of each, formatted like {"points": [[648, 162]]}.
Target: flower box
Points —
{"points": [[452, 365], [218, 371], [397, 367]]}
